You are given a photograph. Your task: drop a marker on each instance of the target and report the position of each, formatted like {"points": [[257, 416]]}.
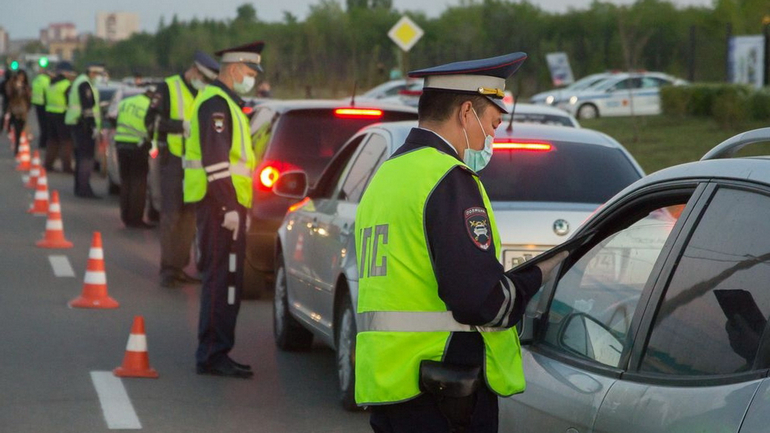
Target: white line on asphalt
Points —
{"points": [[116, 406], [61, 266]]}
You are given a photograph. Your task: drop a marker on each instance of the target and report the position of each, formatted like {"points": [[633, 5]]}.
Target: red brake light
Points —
{"points": [[532, 146], [357, 113], [268, 176], [268, 172], [247, 110], [407, 92]]}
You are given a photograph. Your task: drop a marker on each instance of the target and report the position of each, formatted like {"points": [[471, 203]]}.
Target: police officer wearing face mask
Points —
{"points": [[165, 121], [85, 120], [219, 162], [435, 305]]}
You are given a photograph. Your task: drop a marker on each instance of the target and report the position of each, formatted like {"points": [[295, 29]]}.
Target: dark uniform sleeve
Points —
{"points": [[471, 280], [216, 137], [160, 108], [87, 102]]}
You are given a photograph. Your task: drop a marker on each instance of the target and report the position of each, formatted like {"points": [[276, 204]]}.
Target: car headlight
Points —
{"points": [[573, 100], [550, 99]]}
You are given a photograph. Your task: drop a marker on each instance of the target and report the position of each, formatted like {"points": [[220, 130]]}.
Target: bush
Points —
{"points": [[759, 104], [674, 100], [730, 105]]}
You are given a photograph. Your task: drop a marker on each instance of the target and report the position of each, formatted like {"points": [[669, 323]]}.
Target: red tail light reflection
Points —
{"points": [[531, 146], [357, 113]]}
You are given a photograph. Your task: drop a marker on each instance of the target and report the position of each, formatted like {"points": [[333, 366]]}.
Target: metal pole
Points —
{"points": [[766, 26], [728, 34], [692, 57]]}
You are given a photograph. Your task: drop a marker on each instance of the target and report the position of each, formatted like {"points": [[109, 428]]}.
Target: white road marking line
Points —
{"points": [[116, 406], [61, 266]]}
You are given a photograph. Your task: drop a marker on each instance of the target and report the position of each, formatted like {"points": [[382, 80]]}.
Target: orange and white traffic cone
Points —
{"points": [[23, 155], [136, 362], [95, 282], [40, 205], [34, 171], [54, 228]]}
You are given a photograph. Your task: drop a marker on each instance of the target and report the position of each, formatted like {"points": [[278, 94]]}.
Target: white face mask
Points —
{"points": [[478, 159], [245, 86], [197, 84]]}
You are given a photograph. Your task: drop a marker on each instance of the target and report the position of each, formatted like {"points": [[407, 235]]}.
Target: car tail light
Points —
{"points": [[299, 204], [523, 145], [268, 172], [358, 113], [247, 110], [407, 92]]}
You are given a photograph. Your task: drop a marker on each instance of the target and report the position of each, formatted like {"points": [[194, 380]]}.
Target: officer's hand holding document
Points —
{"points": [[549, 260]]}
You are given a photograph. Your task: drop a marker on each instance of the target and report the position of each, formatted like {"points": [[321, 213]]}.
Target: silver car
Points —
{"points": [[540, 195]]}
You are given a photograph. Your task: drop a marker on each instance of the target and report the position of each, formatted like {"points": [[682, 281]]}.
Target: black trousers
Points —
{"points": [[421, 415], [59, 142], [133, 166], [17, 123], [177, 219], [85, 149], [42, 124], [219, 306]]}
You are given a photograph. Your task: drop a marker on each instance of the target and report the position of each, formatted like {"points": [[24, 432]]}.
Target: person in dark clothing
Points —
{"points": [[133, 147], [84, 117], [39, 86], [19, 94]]}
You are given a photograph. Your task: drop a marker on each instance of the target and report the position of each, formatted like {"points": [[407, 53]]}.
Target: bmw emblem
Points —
{"points": [[561, 227]]}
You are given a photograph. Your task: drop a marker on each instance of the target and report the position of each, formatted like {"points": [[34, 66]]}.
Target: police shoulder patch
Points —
{"points": [[477, 224], [219, 121]]}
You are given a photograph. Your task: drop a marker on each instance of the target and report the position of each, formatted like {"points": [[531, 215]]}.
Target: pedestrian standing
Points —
{"points": [[166, 118], [39, 85], [133, 145], [59, 141], [437, 343], [84, 118], [19, 96], [219, 162]]}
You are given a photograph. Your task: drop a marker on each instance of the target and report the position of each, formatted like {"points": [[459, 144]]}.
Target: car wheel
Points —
{"points": [[587, 111], [345, 337], [288, 333]]}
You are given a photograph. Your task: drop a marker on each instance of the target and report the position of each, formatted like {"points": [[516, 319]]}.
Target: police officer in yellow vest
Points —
{"points": [[435, 305], [39, 86], [59, 140], [165, 120], [85, 120], [219, 162], [133, 147]]}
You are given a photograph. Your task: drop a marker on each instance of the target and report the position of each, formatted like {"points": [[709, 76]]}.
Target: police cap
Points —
{"points": [[248, 54], [484, 77], [97, 68], [64, 67], [206, 64]]}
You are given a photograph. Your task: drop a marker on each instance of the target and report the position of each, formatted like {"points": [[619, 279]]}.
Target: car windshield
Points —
{"points": [[309, 138], [569, 172]]}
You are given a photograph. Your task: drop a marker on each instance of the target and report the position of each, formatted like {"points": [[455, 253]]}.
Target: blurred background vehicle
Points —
{"points": [[550, 97], [389, 89], [543, 182], [540, 114]]}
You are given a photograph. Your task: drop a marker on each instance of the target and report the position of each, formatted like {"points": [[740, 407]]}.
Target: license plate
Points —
{"points": [[515, 257]]}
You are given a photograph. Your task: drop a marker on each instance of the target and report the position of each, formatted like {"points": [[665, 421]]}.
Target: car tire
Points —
{"points": [[288, 333], [345, 339], [587, 111]]}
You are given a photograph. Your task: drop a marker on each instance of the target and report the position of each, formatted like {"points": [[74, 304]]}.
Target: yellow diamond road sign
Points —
{"points": [[405, 33]]}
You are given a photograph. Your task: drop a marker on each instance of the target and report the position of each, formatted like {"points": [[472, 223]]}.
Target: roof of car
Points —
{"points": [[308, 104], [755, 169]]}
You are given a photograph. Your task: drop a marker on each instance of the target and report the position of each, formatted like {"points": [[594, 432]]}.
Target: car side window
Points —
{"points": [[595, 299], [329, 179], [371, 156], [715, 309]]}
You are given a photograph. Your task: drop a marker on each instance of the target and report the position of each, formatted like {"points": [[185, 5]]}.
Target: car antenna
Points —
{"points": [[353, 98], [513, 112]]}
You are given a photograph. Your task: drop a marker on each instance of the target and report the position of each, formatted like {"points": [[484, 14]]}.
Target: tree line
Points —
{"points": [[336, 48]]}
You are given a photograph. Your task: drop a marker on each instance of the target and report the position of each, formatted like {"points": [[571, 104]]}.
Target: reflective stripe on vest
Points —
{"points": [[74, 105], [180, 107], [39, 84], [130, 123], [402, 319], [56, 97], [241, 165]]}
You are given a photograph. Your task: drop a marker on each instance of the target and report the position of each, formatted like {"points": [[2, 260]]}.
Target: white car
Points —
{"points": [[540, 114], [625, 94], [551, 97], [388, 89], [543, 182]]}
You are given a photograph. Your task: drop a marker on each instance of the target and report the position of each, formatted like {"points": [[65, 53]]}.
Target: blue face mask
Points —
{"points": [[478, 159]]}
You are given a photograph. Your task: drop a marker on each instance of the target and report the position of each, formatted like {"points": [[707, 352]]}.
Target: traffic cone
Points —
{"points": [[34, 171], [136, 362], [54, 228], [40, 205], [23, 155], [95, 282]]}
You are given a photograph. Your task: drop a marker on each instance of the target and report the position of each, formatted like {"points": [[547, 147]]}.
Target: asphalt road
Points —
{"points": [[49, 351]]}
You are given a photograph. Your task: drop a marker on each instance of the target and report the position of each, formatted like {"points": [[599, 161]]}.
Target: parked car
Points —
{"points": [[543, 181], [389, 89], [659, 323], [289, 136], [626, 94], [550, 97], [540, 114]]}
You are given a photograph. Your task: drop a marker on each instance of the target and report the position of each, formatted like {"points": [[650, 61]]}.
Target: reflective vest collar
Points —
{"points": [[415, 321]]}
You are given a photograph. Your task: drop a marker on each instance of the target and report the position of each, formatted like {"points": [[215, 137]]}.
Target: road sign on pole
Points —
{"points": [[405, 33]]}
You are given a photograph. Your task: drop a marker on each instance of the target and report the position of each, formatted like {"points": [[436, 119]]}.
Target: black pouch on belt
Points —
{"points": [[454, 387]]}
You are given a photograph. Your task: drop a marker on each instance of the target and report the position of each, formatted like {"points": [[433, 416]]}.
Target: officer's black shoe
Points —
{"points": [[169, 281], [238, 365], [226, 369], [184, 277]]}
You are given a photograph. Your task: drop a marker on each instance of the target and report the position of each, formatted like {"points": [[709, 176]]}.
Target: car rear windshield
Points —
{"points": [[309, 138], [569, 172]]}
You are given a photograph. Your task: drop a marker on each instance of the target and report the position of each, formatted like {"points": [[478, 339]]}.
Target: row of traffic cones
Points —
{"points": [[94, 294]]}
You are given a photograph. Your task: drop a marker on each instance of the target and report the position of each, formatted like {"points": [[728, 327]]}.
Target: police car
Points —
{"points": [[624, 94], [543, 182], [551, 97]]}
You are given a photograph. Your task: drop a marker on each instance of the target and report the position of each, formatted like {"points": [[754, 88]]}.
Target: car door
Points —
{"points": [[706, 354], [334, 224], [647, 96], [589, 316]]}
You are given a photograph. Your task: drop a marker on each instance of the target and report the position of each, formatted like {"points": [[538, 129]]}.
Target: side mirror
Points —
{"points": [[586, 336], [292, 184]]}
